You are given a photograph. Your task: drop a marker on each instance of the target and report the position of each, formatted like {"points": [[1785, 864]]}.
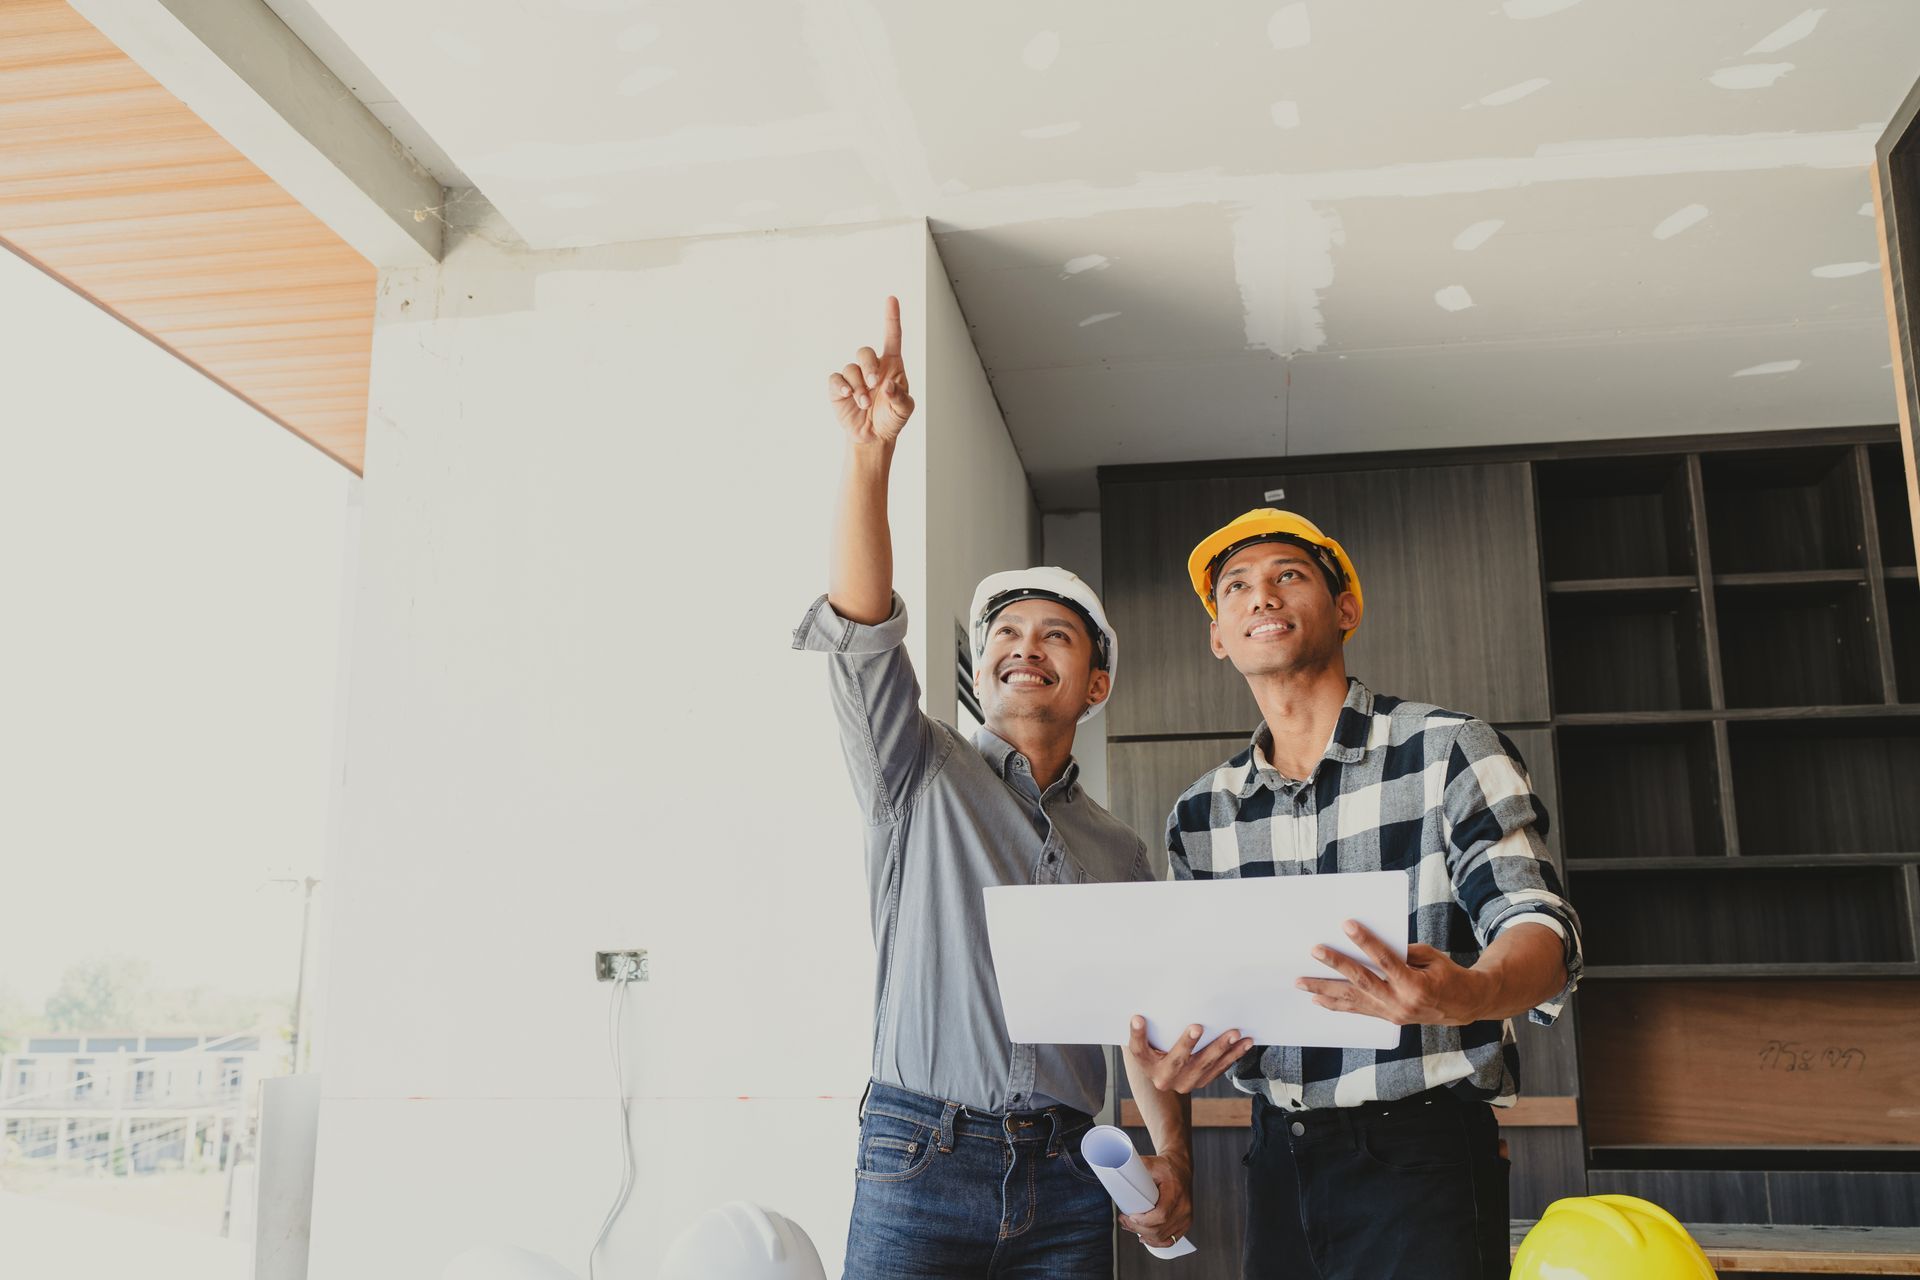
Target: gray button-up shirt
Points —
{"points": [[946, 818]]}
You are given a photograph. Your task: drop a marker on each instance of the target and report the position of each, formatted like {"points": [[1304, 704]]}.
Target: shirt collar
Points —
{"points": [[1002, 755], [1351, 733]]}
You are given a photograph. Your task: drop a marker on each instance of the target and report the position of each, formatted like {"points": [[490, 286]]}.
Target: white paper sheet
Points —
{"points": [[1110, 1153], [1074, 962]]}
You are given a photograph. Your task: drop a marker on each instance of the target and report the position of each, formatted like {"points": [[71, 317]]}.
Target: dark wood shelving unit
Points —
{"points": [[1736, 720]]}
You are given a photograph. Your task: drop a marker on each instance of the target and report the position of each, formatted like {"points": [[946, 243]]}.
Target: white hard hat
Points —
{"points": [[742, 1241], [1046, 582]]}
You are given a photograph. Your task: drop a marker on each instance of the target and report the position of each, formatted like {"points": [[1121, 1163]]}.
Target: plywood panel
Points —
{"points": [[1728, 1063], [113, 186]]}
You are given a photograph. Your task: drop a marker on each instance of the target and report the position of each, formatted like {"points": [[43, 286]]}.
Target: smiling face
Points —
{"points": [[1037, 666], [1276, 613]]}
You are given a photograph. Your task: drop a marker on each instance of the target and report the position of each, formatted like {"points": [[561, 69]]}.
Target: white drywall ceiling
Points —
{"points": [[1203, 231]]}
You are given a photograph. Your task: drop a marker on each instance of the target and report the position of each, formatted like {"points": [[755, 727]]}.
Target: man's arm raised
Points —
{"points": [[872, 401]]}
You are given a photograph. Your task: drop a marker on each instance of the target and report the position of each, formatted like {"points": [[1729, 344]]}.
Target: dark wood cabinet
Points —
{"points": [[1743, 816]]}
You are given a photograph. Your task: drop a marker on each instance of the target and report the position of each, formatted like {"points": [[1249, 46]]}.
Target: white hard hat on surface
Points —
{"points": [[1046, 582], [742, 1241]]}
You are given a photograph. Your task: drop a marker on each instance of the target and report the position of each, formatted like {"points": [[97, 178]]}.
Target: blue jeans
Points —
{"points": [[944, 1193]]}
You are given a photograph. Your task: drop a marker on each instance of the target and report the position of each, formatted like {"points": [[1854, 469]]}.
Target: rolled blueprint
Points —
{"points": [[1109, 1152]]}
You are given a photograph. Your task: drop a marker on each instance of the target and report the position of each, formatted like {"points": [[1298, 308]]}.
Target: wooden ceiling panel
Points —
{"points": [[109, 183]]}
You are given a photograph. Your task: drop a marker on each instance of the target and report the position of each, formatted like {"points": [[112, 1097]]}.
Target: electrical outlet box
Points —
{"points": [[609, 965]]}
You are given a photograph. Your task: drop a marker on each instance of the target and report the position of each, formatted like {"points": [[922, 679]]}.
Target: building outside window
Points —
{"points": [[179, 1124]]}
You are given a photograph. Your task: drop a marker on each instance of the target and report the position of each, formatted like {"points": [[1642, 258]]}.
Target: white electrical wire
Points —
{"points": [[627, 1172]]}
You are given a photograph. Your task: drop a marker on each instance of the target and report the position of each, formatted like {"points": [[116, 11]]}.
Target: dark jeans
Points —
{"points": [[1409, 1190], [945, 1192]]}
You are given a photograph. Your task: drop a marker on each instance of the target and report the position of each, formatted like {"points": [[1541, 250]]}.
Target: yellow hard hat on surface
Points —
{"points": [[1269, 524], [1609, 1238]]}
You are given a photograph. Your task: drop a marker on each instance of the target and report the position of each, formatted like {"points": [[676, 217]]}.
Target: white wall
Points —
{"points": [[598, 493], [981, 517]]}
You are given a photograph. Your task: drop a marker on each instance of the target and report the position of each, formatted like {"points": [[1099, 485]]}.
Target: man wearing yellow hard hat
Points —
{"points": [[1367, 1164], [970, 1160]]}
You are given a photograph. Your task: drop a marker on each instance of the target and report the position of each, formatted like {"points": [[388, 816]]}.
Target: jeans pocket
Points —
{"points": [[892, 1149], [1428, 1139], [1076, 1161]]}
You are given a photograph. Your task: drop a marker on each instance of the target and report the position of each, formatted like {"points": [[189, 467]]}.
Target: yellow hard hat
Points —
{"points": [[1269, 524], [1609, 1238]]}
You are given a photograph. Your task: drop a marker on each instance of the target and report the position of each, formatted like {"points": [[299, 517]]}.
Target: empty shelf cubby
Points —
{"points": [[1903, 627], [1615, 518], [1891, 510], [1798, 644], [1827, 786], [1627, 651], [1732, 913], [1783, 509], [1639, 791]]}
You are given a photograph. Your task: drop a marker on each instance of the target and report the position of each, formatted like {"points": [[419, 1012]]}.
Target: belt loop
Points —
{"points": [[1054, 1145], [946, 1127], [864, 1095]]}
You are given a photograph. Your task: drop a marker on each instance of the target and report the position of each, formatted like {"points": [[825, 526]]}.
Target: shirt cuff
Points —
{"points": [[1547, 1012], [822, 630]]}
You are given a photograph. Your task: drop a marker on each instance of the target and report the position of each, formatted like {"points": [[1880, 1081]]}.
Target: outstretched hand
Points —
{"points": [[870, 395], [1425, 989]]}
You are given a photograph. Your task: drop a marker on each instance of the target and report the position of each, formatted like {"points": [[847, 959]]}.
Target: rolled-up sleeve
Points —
{"points": [[887, 739], [1178, 868], [1502, 874]]}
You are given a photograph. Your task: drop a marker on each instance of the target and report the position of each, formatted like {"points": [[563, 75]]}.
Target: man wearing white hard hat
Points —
{"points": [[969, 1160]]}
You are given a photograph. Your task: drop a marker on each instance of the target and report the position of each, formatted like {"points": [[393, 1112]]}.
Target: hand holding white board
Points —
{"points": [[1076, 962]]}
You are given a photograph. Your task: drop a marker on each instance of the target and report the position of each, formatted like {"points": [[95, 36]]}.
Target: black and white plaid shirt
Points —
{"points": [[1403, 786]]}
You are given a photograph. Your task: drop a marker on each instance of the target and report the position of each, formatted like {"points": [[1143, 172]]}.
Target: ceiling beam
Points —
{"points": [[240, 69]]}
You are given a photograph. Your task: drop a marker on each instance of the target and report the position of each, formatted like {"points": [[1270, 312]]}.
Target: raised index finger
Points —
{"points": [[891, 345]]}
